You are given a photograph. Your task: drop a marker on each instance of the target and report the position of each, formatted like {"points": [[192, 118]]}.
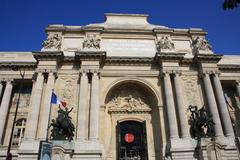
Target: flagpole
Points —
{"points": [[48, 121]]}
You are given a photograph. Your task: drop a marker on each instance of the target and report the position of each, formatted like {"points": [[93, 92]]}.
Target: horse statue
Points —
{"points": [[63, 128]]}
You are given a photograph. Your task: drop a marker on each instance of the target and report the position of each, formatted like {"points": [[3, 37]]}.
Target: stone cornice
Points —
{"points": [[25, 65], [227, 67], [163, 30], [48, 55], [133, 60], [169, 57], [197, 31], [207, 58], [92, 28], [90, 55]]}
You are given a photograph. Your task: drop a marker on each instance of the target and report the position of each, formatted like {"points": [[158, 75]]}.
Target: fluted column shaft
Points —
{"points": [[5, 106], [83, 108], [94, 111], [47, 105], [171, 113], [223, 111], [35, 103], [212, 105], [180, 106]]}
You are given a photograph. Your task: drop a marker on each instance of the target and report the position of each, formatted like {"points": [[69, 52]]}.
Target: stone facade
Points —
{"points": [[122, 71]]}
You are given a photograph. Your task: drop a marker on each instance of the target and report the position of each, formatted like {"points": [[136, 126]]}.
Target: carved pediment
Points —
{"points": [[127, 104]]}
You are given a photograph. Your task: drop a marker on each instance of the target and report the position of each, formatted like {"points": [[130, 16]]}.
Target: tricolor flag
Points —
{"points": [[227, 102], [55, 100]]}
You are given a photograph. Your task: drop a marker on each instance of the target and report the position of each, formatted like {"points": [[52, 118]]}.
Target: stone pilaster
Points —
{"points": [[1, 87], [212, 105], [35, 103], [171, 112], [82, 127], [94, 110], [223, 111], [180, 106], [5, 106], [47, 105], [238, 87]]}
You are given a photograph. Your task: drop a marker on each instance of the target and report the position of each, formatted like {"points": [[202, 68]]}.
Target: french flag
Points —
{"points": [[55, 100]]}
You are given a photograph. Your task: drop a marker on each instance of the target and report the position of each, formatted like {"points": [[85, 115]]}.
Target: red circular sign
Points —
{"points": [[129, 137]]}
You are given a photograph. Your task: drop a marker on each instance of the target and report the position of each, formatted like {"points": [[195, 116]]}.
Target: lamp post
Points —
{"points": [[22, 74]]}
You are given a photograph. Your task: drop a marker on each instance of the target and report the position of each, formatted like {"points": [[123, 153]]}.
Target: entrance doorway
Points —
{"points": [[131, 141]]}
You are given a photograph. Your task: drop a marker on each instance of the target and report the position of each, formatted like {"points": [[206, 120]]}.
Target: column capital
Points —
{"points": [[84, 71], [170, 71], [209, 72], [8, 80], [94, 71], [177, 73], [237, 82], [47, 71]]}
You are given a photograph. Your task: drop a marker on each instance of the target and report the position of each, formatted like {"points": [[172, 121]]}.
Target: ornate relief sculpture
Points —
{"points": [[165, 43], [128, 104], [53, 41], [200, 43], [91, 42]]}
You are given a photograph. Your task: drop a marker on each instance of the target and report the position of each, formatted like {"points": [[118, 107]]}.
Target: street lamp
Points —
{"points": [[22, 74]]}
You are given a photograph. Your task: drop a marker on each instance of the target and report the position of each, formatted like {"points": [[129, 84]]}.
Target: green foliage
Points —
{"points": [[230, 4]]}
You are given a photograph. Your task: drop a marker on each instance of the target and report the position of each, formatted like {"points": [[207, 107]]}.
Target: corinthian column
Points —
{"points": [[35, 103], [46, 105], [171, 113], [180, 106], [94, 111], [5, 106], [82, 128], [227, 124], [212, 105]]}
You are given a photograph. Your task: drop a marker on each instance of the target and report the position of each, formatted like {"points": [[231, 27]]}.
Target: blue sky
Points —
{"points": [[22, 22]]}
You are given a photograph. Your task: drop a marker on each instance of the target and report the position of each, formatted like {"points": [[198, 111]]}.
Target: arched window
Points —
{"points": [[19, 131]]}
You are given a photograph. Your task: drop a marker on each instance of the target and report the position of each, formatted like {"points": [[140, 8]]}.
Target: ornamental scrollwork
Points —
{"points": [[53, 41], [91, 42], [200, 43], [165, 43]]}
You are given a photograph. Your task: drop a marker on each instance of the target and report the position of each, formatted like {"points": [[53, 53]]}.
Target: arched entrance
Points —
{"points": [[132, 112], [131, 140]]}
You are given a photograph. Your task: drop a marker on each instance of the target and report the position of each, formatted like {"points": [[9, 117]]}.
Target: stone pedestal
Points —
{"points": [[28, 150], [87, 150]]}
